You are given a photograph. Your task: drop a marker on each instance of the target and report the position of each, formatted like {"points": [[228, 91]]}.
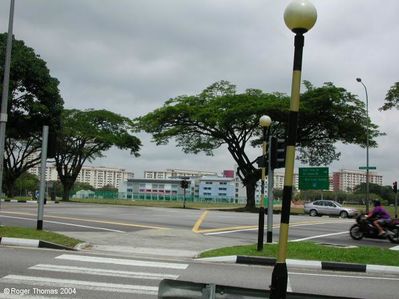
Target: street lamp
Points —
{"points": [[299, 16], [367, 147], [264, 122]]}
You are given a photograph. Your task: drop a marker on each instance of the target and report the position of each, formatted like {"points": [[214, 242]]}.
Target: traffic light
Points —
{"points": [[184, 184], [51, 144], [277, 152], [395, 187], [261, 161]]}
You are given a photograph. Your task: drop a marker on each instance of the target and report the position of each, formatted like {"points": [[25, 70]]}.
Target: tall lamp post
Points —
{"points": [[264, 122], [367, 148], [299, 16]]}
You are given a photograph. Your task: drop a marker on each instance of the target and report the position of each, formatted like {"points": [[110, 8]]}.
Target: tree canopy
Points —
{"points": [[85, 136], [220, 115], [392, 98], [34, 100]]}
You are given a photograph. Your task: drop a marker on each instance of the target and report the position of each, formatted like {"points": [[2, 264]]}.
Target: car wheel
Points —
{"points": [[313, 213], [355, 232], [343, 214]]}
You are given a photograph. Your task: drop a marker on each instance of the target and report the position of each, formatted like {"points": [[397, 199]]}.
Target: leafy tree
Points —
{"points": [[391, 98], [219, 115], [26, 183], [34, 101], [382, 192], [85, 136], [362, 187]]}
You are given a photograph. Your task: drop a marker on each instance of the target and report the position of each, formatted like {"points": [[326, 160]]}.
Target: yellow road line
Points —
{"points": [[199, 222], [90, 220], [222, 229]]}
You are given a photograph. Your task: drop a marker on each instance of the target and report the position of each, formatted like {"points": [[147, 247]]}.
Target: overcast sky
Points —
{"points": [[130, 56]]}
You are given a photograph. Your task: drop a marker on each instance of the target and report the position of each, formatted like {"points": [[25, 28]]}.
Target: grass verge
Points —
{"points": [[30, 233], [158, 203], [318, 252]]}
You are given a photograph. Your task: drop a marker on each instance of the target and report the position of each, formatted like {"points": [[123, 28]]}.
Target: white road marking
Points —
{"points": [[86, 285], [345, 276], [126, 262], [277, 226], [64, 223], [103, 272], [319, 236]]}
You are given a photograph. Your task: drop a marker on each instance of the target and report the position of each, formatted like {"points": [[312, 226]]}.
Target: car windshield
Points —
{"points": [[338, 204]]}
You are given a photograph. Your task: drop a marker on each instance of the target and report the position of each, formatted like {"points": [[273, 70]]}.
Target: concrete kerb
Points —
{"points": [[314, 265], [31, 243]]}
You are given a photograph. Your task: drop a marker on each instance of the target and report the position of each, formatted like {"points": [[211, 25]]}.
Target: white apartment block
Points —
{"points": [[96, 176], [347, 180], [175, 173]]}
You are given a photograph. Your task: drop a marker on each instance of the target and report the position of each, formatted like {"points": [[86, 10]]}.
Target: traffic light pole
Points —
{"points": [[270, 178], [395, 190], [261, 221], [184, 198], [40, 206]]}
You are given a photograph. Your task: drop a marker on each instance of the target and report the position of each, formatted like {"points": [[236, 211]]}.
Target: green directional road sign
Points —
{"points": [[365, 167], [314, 178]]}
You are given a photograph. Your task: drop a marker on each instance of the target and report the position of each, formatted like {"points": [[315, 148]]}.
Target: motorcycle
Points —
{"points": [[364, 228]]}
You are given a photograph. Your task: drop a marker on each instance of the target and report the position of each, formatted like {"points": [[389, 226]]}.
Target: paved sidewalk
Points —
{"points": [[153, 242]]}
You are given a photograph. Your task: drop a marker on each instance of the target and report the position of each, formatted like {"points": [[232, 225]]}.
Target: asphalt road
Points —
{"points": [[43, 273], [177, 229]]}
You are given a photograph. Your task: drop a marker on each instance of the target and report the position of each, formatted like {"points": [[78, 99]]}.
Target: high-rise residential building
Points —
{"points": [[346, 180], [96, 176]]}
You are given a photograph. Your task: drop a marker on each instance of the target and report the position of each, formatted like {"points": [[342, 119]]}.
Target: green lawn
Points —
{"points": [[158, 203], [318, 252], [29, 233]]}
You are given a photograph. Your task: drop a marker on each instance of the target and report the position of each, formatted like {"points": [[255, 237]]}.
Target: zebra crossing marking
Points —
{"points": [[117, 261], [103, 272]]}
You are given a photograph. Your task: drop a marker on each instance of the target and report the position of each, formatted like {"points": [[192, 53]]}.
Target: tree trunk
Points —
{"points": [[9, 185], [67, 191], [251, 186]]}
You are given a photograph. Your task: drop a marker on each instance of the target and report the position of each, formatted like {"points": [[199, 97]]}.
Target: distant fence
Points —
{"points": [[156, 197]]}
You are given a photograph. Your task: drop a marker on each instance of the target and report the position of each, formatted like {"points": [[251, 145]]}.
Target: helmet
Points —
{"points": [[376, 203]]}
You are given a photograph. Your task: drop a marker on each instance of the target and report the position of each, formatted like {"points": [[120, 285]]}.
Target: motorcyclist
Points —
{"points": [[380, 216]]}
